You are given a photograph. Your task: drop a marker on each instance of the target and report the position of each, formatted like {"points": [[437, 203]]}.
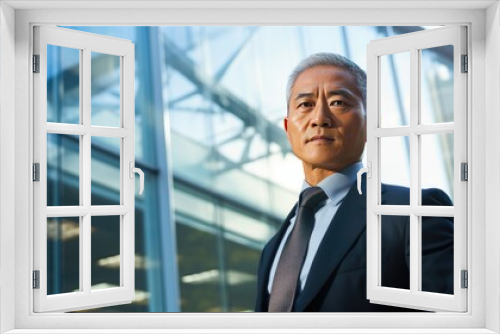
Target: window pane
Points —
{"points": [[63, 170], [247, 227], [437, 163], [395, 165], [63, 85], [437, 254], [145, 265], [105, 90], [194, 207], [105, 170], [437, 85], [63, 255], [395, 257], [241, 277], [105, 271], [395, 90], [201, 279]]}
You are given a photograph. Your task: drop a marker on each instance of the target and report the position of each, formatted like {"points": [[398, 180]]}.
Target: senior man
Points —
{"points": [[316, 262]]}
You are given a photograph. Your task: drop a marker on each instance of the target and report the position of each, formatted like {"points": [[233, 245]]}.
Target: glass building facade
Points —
{"points": [[220, 175]]}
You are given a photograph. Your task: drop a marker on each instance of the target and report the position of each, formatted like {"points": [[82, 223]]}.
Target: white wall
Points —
{"points": [[492, 157], [7, 158]]}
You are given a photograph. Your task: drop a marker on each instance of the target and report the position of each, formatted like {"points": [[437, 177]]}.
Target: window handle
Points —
{"points": [[363, 170], [141, 176]]}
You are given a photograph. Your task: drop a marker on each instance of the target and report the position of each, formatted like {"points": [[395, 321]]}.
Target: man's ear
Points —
{"points": [[366, 127], [285, 123]]}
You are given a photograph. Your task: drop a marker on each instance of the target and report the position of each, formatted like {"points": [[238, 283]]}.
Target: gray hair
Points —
{"points": [[328, 59]]}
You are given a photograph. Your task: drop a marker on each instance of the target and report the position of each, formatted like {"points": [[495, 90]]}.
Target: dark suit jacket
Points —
{"points": [[337, 280]]}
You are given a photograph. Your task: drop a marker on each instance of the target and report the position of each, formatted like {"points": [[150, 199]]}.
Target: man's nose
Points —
{"points": [[322, 115]]}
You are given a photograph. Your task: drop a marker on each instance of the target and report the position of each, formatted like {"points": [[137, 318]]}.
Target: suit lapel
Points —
{"points": [[346, 227]]}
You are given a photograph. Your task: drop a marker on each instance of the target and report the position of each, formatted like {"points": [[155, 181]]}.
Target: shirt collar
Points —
{"points": [[337, 185]]}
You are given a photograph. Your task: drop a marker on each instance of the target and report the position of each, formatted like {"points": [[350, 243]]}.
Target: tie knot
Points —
{"points": [[311, 197]]}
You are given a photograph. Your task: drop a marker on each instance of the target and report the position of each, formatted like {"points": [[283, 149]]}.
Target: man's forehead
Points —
{"points": [[325, 75]]}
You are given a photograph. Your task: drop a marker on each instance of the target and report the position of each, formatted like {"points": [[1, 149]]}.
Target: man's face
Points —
{"points": [[326, 126]]}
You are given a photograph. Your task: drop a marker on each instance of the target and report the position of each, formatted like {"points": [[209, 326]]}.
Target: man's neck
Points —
{"points": [[314, 175]]}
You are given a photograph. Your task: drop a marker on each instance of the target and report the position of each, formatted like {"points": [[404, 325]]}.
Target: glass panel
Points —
{"points": [[105, 89], [63, 170], [194, 206], [395, 165], [63, 85], [63, 255], [395, 90], [246, 226], [437, 254], [437, 165], [202, 284], [105, 171], [395, 257], [145, 266], [437, 85], [241, 276], [105, 252]]}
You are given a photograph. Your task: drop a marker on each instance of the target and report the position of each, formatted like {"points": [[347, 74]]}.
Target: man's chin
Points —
{"points": [[325, 164]]}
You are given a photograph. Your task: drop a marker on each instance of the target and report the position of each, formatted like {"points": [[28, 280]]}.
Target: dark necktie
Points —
{"points": [[286, 279]]}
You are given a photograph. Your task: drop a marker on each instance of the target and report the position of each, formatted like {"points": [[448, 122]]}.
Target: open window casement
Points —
{"points": [[71, 130], [418, 138]]}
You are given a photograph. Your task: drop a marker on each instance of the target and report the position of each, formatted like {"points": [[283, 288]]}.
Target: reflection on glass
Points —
{"points": [[105, 252], [241, 277], [437, 163], [108, 143], [63, 255], [394, 163], [63, 85], [105, 171], [194, 207], [63, 169], [143, 268], [437, 254], [105, 90], [217, 172], [201, 278], [246, 226], [395, 90], [395, 257], [437, 85]]}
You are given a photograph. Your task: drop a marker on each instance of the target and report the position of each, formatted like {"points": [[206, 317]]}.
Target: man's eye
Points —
{"points": [[305, 105], [337, 103]]}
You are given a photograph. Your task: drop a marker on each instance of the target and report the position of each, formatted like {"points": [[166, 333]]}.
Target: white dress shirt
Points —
{"points": [[336, 187]]}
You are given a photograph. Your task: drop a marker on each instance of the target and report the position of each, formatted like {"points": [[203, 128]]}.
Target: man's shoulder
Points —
{"points": [[395, 195], [435, 196], [399, 195]]}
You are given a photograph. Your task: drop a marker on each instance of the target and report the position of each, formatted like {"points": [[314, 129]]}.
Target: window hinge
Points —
{"points": [[36, 279], [464, 171], [465, 279], [36, 172], [36, 63], [465, 64]]}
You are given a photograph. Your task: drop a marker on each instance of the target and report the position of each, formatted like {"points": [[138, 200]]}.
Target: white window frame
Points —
{"points": [[413, 44], [86, 44], [484, 308]]}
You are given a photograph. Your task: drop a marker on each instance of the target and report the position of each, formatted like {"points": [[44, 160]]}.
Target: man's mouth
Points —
{"points": [[320, 138]]}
